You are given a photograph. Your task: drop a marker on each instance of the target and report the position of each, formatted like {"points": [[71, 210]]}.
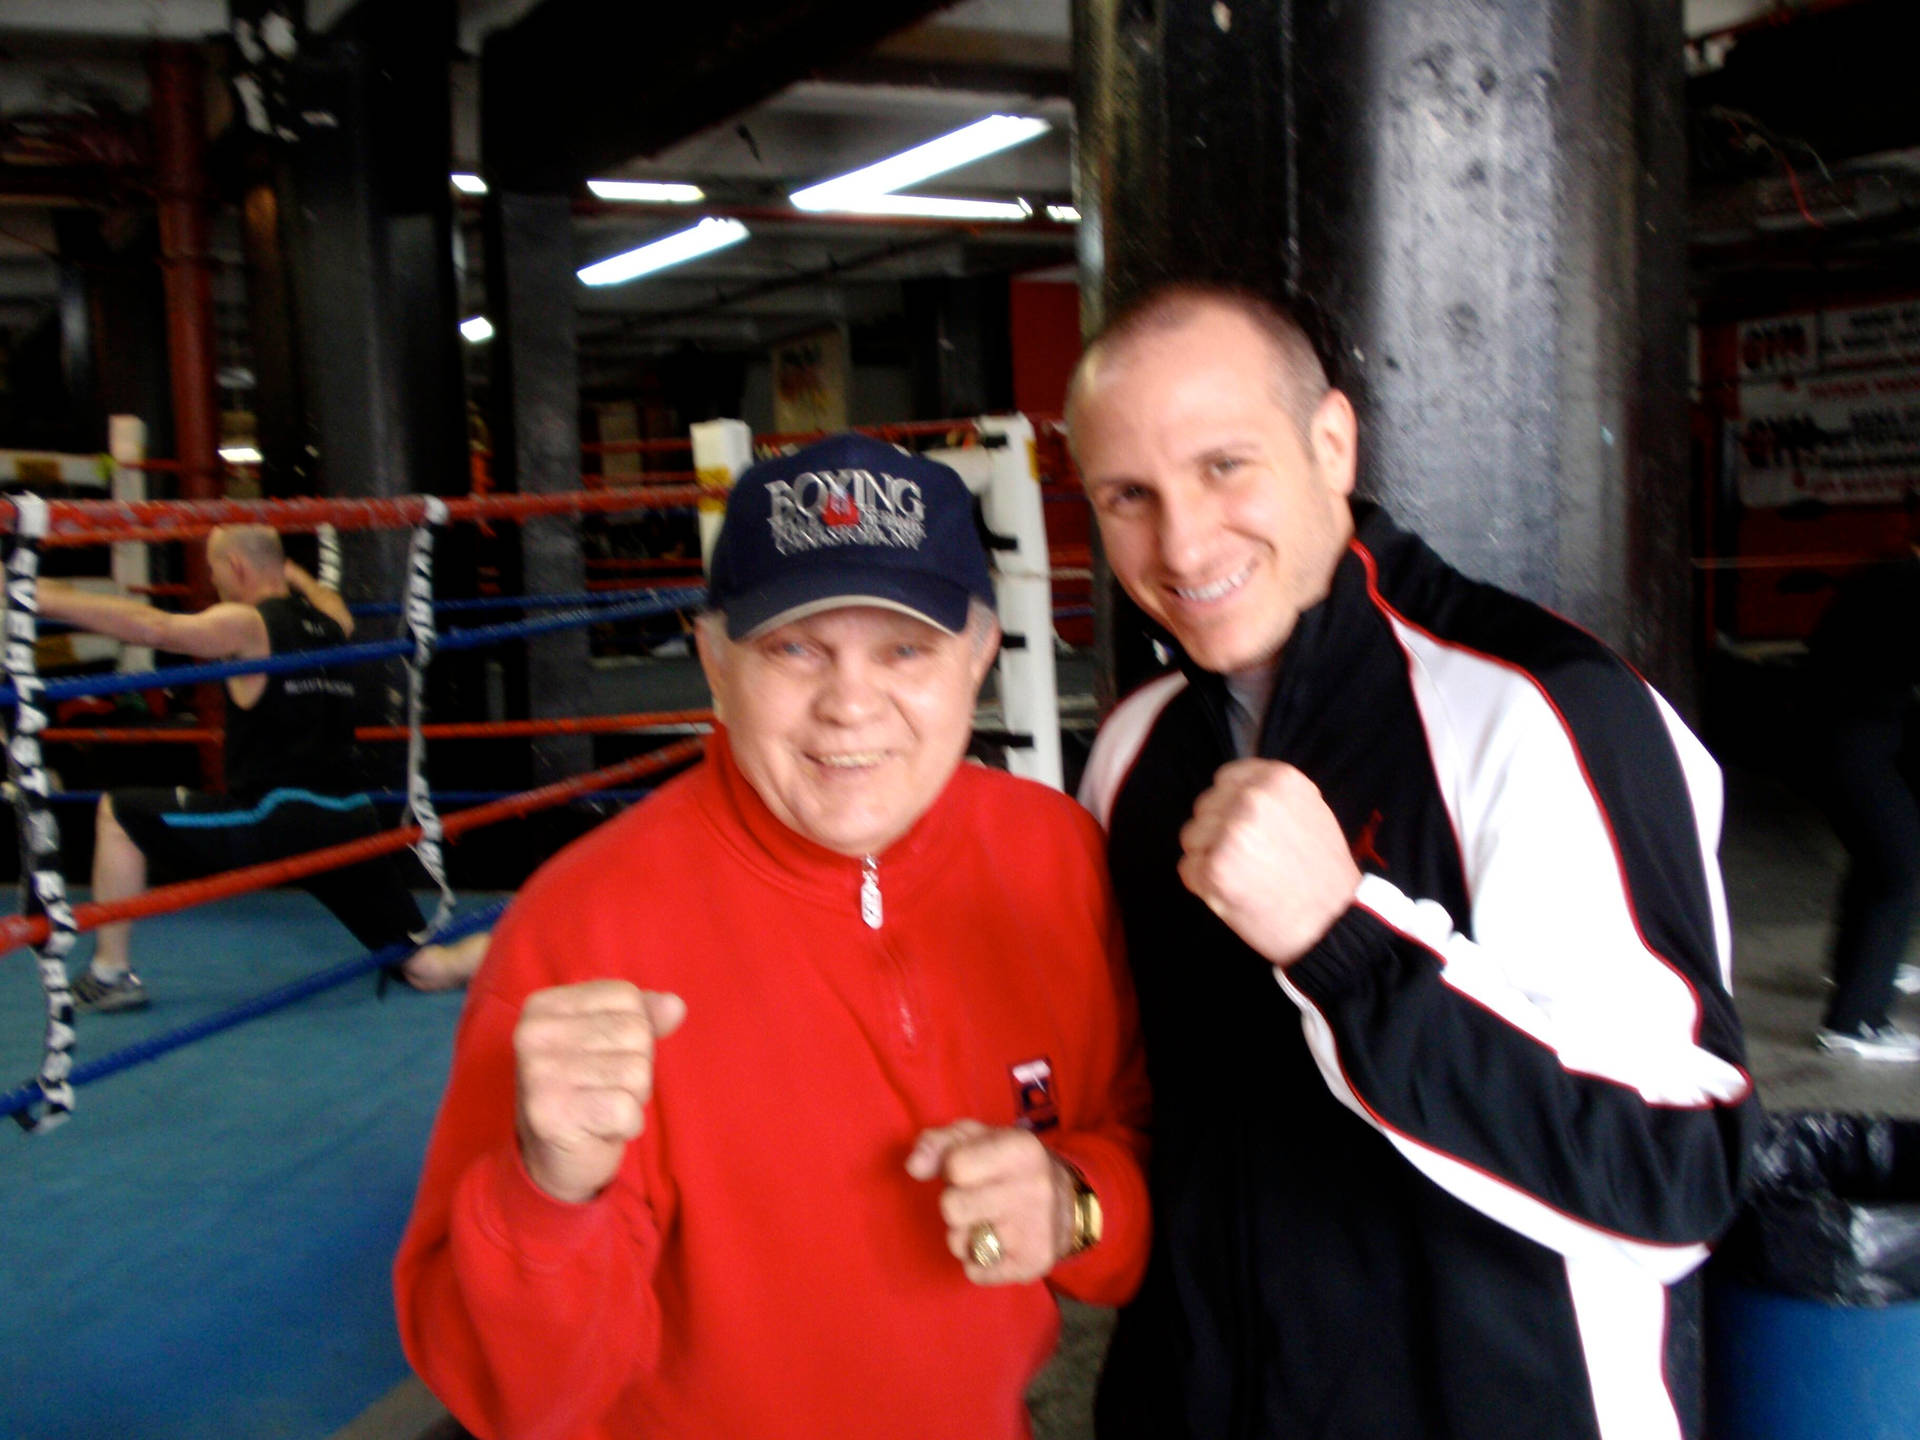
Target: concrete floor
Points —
{"points": [[1782, 865]]}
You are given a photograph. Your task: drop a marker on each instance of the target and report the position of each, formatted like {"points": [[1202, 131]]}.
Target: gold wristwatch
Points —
{"points": [[1086, 1212]]}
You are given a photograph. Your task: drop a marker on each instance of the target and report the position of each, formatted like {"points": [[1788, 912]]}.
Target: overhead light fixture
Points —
{"points": [[468, 184], [709, 235], [656, 192], [477, 328], [240, 454], [935, 207], [909, 167], [1065, 214]]}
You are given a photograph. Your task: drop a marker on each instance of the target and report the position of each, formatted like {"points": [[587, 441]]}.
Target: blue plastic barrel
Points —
{"points": [[1783, 1368], [1813, 1300]]}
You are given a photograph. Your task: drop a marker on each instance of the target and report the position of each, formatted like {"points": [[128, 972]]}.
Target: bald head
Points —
{"points": [[1298, 379], [1219, 465], [247, 562], [259, 545]]}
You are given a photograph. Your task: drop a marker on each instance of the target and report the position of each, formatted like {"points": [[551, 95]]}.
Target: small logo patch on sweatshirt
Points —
{"points": [[1033, 1095]]}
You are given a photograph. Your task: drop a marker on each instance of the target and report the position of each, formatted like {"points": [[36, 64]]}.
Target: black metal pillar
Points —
{"points": [[177, 76], [1487, 196], [376, 299], [535, 419], [961, 337], [82, 425], [130, 311], [287, 451]]}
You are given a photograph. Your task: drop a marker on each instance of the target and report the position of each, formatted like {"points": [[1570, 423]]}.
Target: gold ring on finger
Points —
{"points": [[983, 1244]]}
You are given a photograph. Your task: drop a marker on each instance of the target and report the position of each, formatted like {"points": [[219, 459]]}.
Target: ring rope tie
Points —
{"points": [[43, 892], [327, 566], [473, 638], [419, 625]]}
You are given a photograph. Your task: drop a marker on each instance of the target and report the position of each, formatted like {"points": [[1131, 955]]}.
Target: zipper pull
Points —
{"points": [[870, 892]]}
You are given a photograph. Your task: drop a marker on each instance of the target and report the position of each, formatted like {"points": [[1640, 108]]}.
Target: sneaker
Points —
{"points": [[1871, 1042], [123, 992]]}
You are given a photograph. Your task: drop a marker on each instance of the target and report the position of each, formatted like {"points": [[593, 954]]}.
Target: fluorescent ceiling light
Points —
{"points": [[935, 207], [652, 190], [909, 167], [468, 184], [683, 245], [240, 454], [1065, 214], [477, 328]]}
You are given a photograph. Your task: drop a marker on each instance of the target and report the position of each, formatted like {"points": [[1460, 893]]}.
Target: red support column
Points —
{"points": [[177, 76]]}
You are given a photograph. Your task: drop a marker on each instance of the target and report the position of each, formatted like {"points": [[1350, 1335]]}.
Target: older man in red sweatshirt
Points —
{"points": [[785, 1100]]}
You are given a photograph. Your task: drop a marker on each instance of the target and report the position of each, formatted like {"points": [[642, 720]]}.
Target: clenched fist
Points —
{"points": [[1268, 857], [1008, 1179], [583, 1068]]}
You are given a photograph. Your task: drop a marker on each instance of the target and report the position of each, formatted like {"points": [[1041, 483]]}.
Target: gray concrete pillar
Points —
{"points": [[1487, 197]]}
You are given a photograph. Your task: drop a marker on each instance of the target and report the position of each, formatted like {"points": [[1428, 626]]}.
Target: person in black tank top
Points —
{"points": [[299, 732], [293, 784]]}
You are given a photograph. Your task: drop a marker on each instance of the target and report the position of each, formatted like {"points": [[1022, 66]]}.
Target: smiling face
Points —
{"points": [[1220, 517], [848, 723]]}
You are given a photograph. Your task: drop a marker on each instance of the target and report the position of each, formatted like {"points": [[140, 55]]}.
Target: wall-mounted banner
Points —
{"points": [[1848, 439]]}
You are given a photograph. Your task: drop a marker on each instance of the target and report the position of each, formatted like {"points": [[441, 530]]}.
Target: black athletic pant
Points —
{"points": [[1867, 786], [187, 834]]}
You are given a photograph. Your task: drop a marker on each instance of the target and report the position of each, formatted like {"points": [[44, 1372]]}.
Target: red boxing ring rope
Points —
{"points": [[18, 930], [101, 522], [905, 430], [636, 447]]}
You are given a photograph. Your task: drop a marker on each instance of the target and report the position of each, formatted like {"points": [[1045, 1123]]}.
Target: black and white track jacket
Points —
{"points": [[1450, 1173]]}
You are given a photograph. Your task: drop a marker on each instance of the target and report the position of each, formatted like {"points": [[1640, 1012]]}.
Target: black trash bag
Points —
{"points": [[1833, 1213]]}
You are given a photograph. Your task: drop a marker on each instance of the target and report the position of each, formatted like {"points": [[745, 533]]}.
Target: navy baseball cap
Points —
{"points": [[848, 520]]}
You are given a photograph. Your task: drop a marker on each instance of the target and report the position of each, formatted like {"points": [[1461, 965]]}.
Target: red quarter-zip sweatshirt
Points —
{"points": [[763, 1265]]}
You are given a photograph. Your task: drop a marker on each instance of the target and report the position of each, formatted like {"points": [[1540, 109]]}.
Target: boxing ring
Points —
{"points": [[213, 1223]]}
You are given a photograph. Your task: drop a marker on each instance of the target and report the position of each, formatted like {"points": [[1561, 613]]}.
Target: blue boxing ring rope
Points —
{"points": [[19, 1100], [656, 602]]}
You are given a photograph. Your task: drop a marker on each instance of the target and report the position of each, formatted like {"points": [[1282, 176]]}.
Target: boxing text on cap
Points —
{"points": [[848, 520]]}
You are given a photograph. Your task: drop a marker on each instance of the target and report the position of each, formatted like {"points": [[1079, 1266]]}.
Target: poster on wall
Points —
{"points": [[1850, 438], [1814, 342], [810, 382]]}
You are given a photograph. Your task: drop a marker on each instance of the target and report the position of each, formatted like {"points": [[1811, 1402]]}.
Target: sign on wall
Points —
{"points": [[1817, 341], [810, 382], [1830, 406], [1847, 439]]}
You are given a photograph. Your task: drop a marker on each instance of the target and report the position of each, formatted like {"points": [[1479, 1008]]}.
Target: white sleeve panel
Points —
{"points": [[1493, 1197], [1557, 949], [1622, 1315], [1119, 742]]}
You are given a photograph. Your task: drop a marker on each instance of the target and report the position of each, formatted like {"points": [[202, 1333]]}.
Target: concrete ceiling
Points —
{"points": [[795, 272]]}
